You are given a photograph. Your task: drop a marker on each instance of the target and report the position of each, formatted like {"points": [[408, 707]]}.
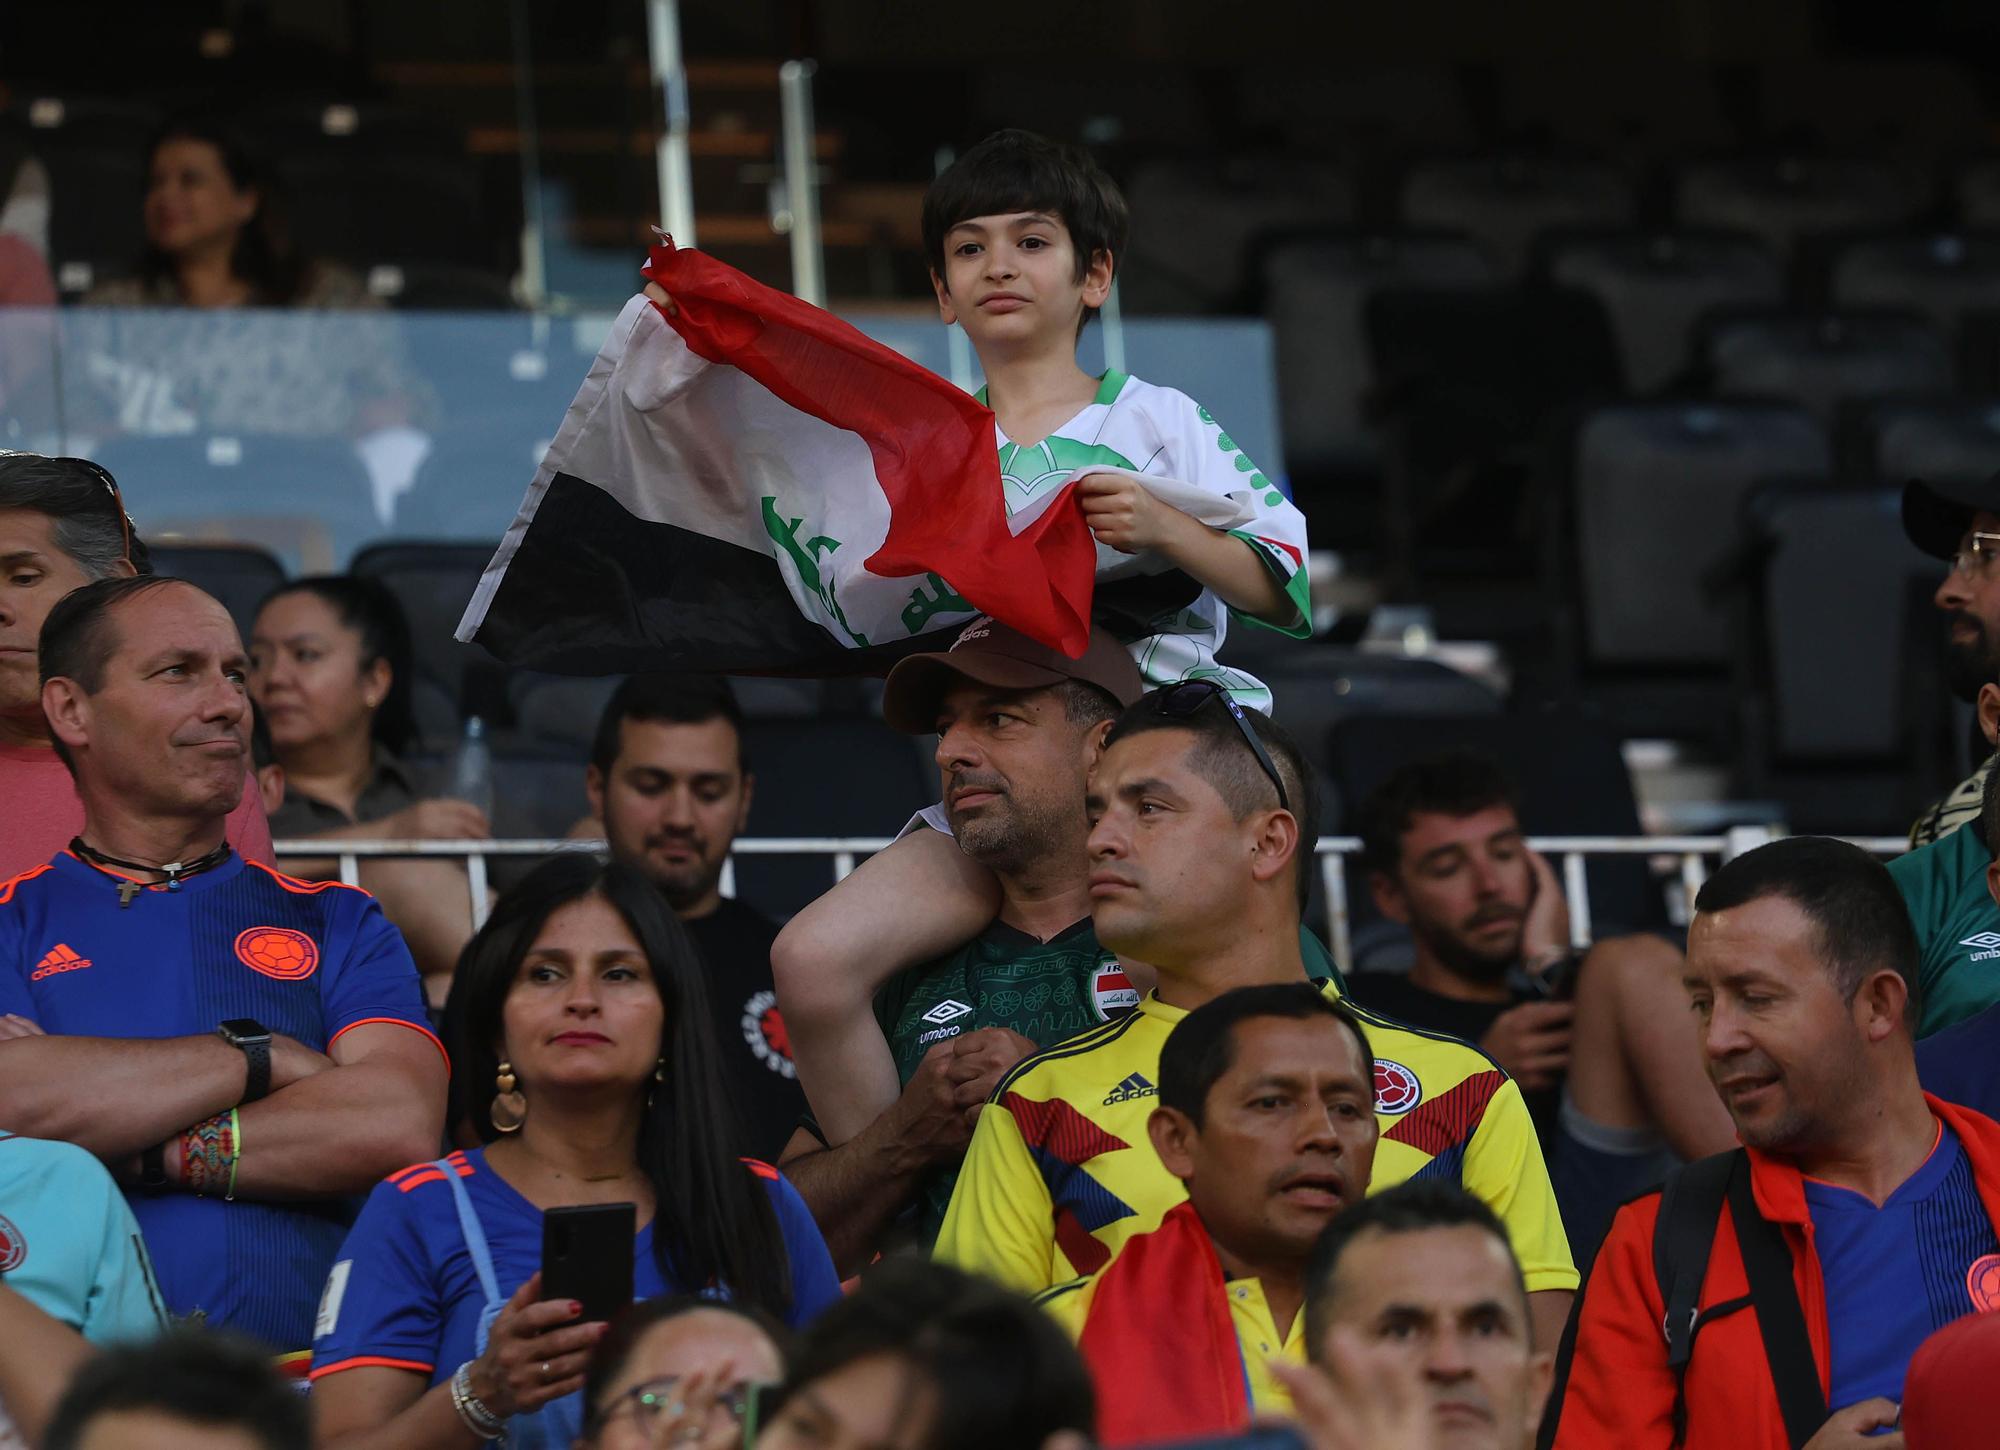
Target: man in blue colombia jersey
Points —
{"points": [[246, 1052]]}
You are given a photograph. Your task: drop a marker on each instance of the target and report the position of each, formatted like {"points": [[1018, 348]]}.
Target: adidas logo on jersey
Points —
{"points": [[1130, 1090], [58, 958]]}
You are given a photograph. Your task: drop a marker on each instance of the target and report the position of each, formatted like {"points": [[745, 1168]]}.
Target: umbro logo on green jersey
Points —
{"points": [[949, 1010], [1132, 1088], [1987, 944]]}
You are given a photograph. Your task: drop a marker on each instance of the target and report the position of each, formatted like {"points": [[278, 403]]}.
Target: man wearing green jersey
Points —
{"points": [[1949, 888], [905, 1074]]}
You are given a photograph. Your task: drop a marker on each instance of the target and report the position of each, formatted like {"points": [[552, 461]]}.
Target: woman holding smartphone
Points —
{"points": [[580, 1048]]}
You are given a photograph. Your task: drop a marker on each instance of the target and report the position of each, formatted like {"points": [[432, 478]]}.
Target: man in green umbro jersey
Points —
{"points": [[1017, 727]]}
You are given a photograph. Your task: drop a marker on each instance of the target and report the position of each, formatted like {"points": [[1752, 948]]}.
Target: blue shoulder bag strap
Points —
{"points": [[548, 1426]]}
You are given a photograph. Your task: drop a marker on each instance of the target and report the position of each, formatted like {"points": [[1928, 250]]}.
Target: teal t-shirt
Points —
{"points": [[1958, 926], [1046, 991]]}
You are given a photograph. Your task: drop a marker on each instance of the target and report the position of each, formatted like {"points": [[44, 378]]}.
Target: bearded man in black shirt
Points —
{"points": [[670, 781], [1599, 1038]]}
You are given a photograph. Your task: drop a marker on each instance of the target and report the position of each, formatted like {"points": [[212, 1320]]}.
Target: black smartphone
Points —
{"points": [[587, 1256]]}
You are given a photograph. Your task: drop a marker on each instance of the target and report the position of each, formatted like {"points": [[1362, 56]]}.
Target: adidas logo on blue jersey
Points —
{"points": [[1132, 1088]]}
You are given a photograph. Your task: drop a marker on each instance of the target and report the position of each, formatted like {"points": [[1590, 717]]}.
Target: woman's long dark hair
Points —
{"points": [[372, 611], [713, 1222], [264, 255]]}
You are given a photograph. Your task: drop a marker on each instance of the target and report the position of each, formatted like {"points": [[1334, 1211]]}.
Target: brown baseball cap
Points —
{"points": [[990, 653]]}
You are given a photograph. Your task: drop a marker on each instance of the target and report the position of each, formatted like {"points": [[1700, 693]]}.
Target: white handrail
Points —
{"points": [[800, 164], [1693, 853], [671, 159]]}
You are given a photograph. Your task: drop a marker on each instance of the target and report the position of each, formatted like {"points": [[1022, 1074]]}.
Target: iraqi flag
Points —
{"points": [[753, 486]]}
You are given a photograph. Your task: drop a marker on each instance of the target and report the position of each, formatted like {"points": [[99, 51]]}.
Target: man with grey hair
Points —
{"points": [[62, 525]]}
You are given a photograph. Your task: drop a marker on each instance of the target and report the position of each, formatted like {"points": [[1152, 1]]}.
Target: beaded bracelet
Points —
{"points": [[472, 1412], [207, 1149]]}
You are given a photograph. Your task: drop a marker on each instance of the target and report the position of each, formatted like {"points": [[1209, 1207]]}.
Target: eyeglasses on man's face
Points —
{"points": [[1974, 557]]}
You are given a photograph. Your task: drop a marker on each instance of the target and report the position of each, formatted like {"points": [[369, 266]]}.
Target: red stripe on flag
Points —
{"points": [[932, 445]]}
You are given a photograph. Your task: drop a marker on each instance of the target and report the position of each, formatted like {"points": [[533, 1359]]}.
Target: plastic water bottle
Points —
{"points": [[472, 768]]}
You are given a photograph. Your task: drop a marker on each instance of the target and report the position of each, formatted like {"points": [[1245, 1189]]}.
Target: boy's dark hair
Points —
{"points": [[608, 1358], [1202, 1046], [201, 1377], [1424, 1203], [1015, 171], [1001, 1373], [371, 609], [1849, 897], [1223, 758], [1459, 783], [82, 500], [673, 699]]}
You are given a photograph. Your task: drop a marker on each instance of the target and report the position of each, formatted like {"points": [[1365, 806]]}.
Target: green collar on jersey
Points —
{"points": [[1109, 386]]}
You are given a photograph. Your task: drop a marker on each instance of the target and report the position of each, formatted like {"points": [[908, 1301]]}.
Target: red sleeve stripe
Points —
{"points": [[762, 1170], [456, 1160], [7, 886], [370, 1361], [304, 888], [399, 1022], [420, 1180]]}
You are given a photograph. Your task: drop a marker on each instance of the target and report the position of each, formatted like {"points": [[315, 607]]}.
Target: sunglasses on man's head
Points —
{"points": [[1179, 702]]}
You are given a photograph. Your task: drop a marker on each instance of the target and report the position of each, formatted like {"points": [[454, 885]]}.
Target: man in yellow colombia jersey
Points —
{"points": [[1201, 834]]}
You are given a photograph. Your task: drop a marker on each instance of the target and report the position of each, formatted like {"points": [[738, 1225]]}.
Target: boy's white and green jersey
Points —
{"points": [[1159, 433]]}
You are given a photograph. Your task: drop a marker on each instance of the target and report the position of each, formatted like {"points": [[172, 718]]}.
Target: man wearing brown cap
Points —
{"points": [[1958, 522], [910, 988]]}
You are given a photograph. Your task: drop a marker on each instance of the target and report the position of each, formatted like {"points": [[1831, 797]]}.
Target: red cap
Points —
{"points": [[990, 653], [1948, 1391]]}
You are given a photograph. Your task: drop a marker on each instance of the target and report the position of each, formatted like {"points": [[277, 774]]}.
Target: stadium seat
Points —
{"points": [[434, 582], [1942, 275], [1944, 440], [537, 793], [1785, 198], [1470, 380], [343, 125], [1316, 687], [1977, 191], [1656, 286], [386, 209], [473, 477], [1369, 114], [94, 149], [1572, 781], [1623, 109], [1830, 713], [238, 575], [221, 487], [1315, 292], [1196, 226], [1505, 202], [825, 777], [1912, 107], [1821, 359], [1158, 107], [559, 711], [1655, 489]]}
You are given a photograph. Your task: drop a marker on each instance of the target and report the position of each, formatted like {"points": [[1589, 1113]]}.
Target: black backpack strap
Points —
{"points": [[1767, 1261], [1683, 1235]]}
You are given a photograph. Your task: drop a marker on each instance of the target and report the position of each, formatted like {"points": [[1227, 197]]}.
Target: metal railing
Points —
{"points": [[1690, 857]]}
